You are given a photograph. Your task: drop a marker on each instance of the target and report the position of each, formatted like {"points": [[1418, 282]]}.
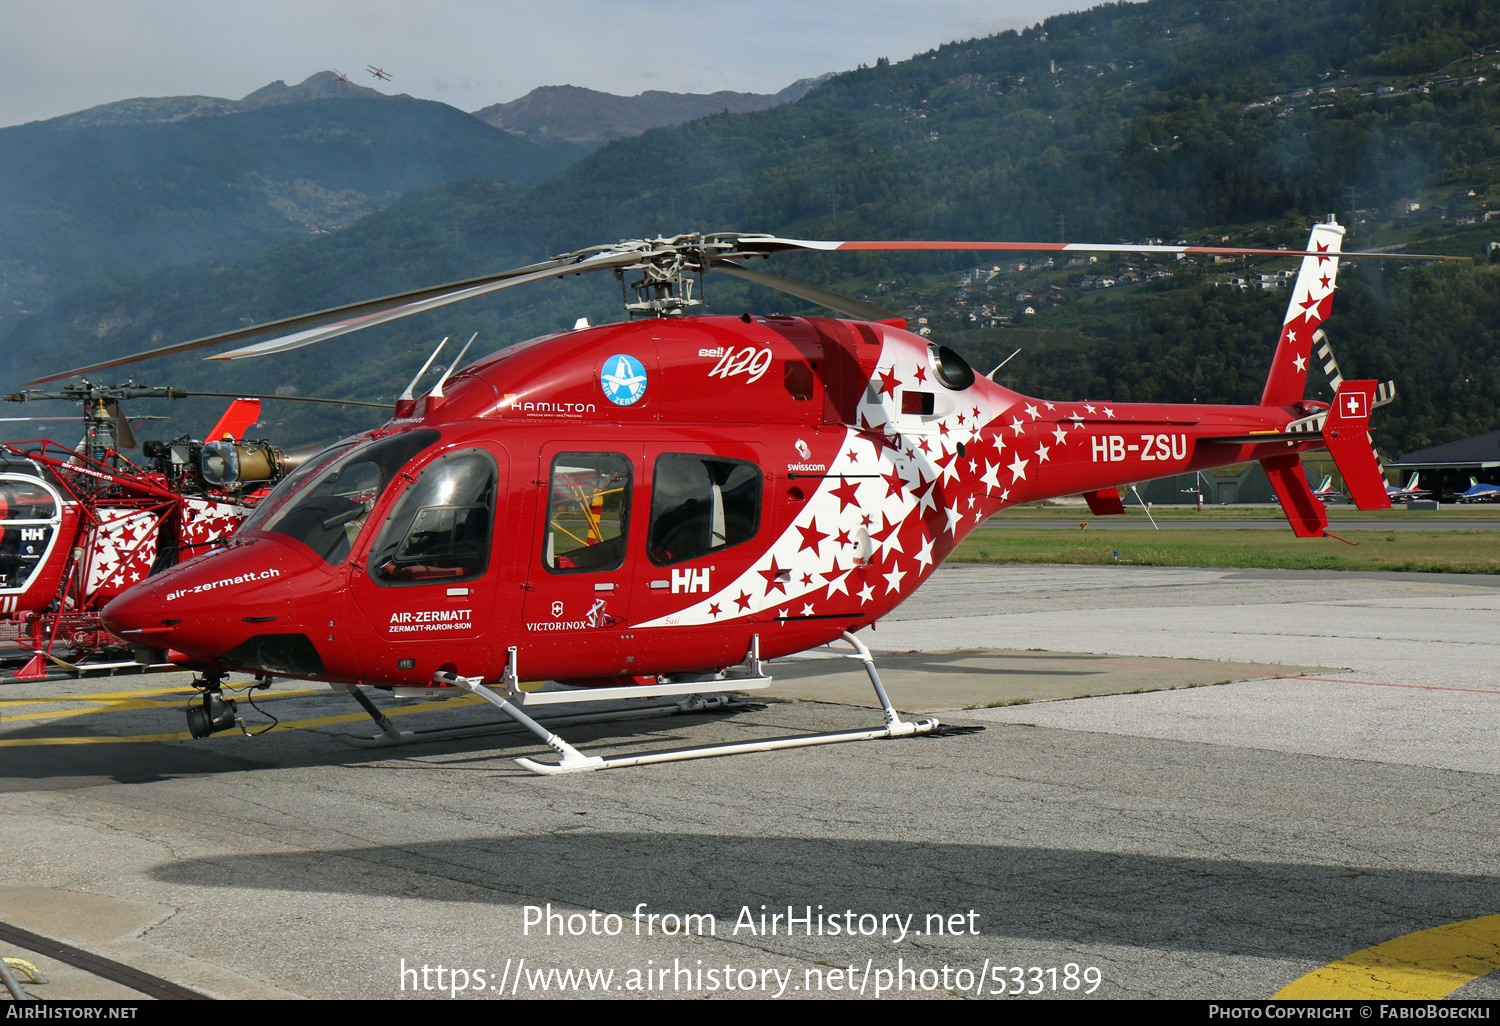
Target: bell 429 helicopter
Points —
{"points": [[656, 507]]}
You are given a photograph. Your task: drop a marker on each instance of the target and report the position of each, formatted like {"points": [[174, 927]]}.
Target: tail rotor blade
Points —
{"points": [[124, 435]]}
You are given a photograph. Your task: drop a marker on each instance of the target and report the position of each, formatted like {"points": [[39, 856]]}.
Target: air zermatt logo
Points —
{"points": [[623, 380]]}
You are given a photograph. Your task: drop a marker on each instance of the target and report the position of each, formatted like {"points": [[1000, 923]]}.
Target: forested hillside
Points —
{"points": [[1167, 119]]}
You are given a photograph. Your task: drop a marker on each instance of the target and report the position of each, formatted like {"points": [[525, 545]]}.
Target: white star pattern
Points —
{"points": [[924, 555], [893, 579], [915, 485], [990, 480]]}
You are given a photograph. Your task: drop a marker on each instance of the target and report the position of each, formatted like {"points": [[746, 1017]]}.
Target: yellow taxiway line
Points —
{"points": [[121, 701], [1421, 966]]}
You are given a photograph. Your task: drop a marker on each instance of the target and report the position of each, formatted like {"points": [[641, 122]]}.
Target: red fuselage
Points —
{"points": [[649, 497]]}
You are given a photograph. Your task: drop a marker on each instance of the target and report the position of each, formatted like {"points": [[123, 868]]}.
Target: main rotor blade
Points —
{"points": [[767, 244], [298, 339], [289, 399], [566, 264], [858, 309]]}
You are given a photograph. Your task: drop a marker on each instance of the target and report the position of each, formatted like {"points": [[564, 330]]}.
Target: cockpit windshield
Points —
{"points": [[290, 484], [327, 507]]}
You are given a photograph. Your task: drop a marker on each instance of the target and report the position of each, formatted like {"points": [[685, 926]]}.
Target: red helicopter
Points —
{"points": [[656, 507], [80, 526]]}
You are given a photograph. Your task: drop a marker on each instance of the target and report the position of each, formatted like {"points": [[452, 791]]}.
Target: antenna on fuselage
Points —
{"points": [[1145, 507], [1002, 363], [410, 392], [437, 390]]}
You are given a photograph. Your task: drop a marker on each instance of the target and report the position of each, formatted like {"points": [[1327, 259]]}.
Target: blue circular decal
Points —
{"points": [[623, 380]]}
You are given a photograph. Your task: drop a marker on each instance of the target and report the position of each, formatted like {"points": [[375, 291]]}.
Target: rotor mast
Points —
{"points": [[666, 269]]}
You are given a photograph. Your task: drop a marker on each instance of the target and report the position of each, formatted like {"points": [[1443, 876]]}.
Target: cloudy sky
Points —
{"points": [[58, 56]]}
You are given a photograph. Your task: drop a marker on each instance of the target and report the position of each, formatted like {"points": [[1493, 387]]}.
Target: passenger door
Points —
{"points": [[578, 592]]}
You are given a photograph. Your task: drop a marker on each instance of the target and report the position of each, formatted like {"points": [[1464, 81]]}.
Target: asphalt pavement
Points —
{"points": [[1173, 836]]}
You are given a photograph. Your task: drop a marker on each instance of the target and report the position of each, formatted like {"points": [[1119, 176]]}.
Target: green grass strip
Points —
{"points": [[1448, 552]]}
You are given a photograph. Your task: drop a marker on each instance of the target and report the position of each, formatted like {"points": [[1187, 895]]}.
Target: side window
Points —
{"points": [[588, 512], [700, 504], [440, 529], [29, 516]]}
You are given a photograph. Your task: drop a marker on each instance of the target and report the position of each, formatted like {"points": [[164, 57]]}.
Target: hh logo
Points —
{"points": [[690, 580]]}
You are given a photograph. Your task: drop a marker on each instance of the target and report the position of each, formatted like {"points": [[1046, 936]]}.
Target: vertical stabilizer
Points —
{"points": [[241, 414], [1346, 433], [1304, 512], [1312, 297]]}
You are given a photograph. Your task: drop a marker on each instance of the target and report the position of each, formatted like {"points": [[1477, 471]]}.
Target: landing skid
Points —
{"points": [[390, 737], [573, 761]]}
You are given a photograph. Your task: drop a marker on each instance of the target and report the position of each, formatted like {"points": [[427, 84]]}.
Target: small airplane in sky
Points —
{"points": [[380, 73]]}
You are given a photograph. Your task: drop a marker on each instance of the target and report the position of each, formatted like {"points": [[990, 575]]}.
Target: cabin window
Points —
{"points": [[329, 510], [917, 403], [440, 529], [588, 512], [701, 504], [22, 499], [798, 378], [29, 516]]}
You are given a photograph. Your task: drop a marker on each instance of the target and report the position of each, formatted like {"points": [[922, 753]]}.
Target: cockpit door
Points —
{"points": [[425, 580]]}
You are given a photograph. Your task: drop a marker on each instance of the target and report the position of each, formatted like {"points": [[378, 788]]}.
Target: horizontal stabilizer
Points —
{"points": [[1304, 512], [1346, 432], [1104, 502]]}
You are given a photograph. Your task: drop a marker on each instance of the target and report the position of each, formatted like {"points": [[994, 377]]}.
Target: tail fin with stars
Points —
{"points": [[1312, 297]]}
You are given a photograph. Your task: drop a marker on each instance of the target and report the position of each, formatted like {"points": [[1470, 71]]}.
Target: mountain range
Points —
{"points": [[325, 85], [152, 181], [593, 118]]}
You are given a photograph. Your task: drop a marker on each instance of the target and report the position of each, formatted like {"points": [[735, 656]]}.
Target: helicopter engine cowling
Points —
{"points": [[226, 463]]}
